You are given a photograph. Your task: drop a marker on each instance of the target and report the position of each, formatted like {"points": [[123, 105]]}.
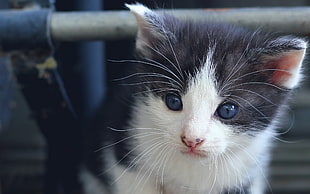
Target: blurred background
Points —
{"points": [[38, 155]]}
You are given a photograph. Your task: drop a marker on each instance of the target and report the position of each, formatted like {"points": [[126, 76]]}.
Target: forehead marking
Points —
{"points": [[202, 93]]}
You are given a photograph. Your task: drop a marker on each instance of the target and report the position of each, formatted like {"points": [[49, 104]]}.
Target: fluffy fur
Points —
{"points": [[192, 149]]}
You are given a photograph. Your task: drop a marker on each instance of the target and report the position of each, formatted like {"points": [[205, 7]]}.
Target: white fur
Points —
{"points": [[146, 23], [138, 9], [163, 168], [126, 184]]}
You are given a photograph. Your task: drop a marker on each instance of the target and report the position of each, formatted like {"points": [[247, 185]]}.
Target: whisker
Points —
{"points": [[166, 58], [128, 76], [147, 82], [262, 70], [235, 101], [179, 79], [291, 123], [155, 165], [234, 70], [168, 155], [139, 157], [237, 171], [146, 134], [134, 129], [257, 163], [262, 83], [157, 65], [176, 59], [214, 180], [152, 167], [249, 103], [145, 75], [164, 76], [231, 82], [252, 92], [157, 90], [128, 153]]}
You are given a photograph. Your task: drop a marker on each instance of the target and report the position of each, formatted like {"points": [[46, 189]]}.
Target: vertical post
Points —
{"points": [[91, 55]]}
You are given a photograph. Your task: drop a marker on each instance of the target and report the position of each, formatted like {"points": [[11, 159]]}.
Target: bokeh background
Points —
{"points": [[86, 74]]}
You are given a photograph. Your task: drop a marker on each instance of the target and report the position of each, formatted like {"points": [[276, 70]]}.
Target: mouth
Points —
{"points": [[194, 153]]}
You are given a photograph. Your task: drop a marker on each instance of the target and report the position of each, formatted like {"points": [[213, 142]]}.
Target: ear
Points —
{"points": [[151, 26], [285, 56]]}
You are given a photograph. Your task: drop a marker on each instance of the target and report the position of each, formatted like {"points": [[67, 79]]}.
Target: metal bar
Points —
{"points": [[24, 29], [76, 26], [107, 25]]}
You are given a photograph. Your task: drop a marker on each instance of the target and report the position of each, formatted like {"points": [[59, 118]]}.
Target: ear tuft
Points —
{"points": [[286, 62], [151, 28], [138, 9]]}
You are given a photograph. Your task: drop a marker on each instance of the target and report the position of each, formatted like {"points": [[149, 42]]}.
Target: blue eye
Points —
{"points": [[227, 111], [173, 102]]}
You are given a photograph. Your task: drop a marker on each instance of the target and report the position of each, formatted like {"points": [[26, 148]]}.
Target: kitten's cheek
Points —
{"points": [[216, 148]]}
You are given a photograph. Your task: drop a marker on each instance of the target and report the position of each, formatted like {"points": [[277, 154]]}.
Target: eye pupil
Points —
{"points": [[227, 111], [173, 102]]}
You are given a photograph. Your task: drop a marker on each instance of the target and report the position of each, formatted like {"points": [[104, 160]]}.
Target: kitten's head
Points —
{"points": [[209, 87]]}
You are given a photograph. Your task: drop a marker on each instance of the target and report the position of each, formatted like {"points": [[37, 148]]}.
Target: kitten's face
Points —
{"points": [[211, 89], [191, 121], [198, 122]]}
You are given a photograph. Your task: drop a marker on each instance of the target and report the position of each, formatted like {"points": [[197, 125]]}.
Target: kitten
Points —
{"points": [[203, 114]]}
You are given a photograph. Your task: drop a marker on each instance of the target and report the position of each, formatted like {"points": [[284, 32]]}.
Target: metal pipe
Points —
{"points": [[107, 25], [29, 29], [26, 29], [76, 26]]}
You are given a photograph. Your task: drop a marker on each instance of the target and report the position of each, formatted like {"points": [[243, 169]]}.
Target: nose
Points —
{"points": [[191, 142]]}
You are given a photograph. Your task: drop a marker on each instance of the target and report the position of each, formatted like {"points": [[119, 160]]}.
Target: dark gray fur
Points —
{"points": [[233, 47]]}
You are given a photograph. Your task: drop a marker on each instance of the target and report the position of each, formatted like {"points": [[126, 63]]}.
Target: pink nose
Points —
{"points": [[191, 142]]}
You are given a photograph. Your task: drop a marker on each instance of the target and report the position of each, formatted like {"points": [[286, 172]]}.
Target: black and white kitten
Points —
{"points": [[203, 114]]}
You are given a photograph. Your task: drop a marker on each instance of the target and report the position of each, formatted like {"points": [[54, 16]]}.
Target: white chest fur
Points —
{"points": [[162, 168]]}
